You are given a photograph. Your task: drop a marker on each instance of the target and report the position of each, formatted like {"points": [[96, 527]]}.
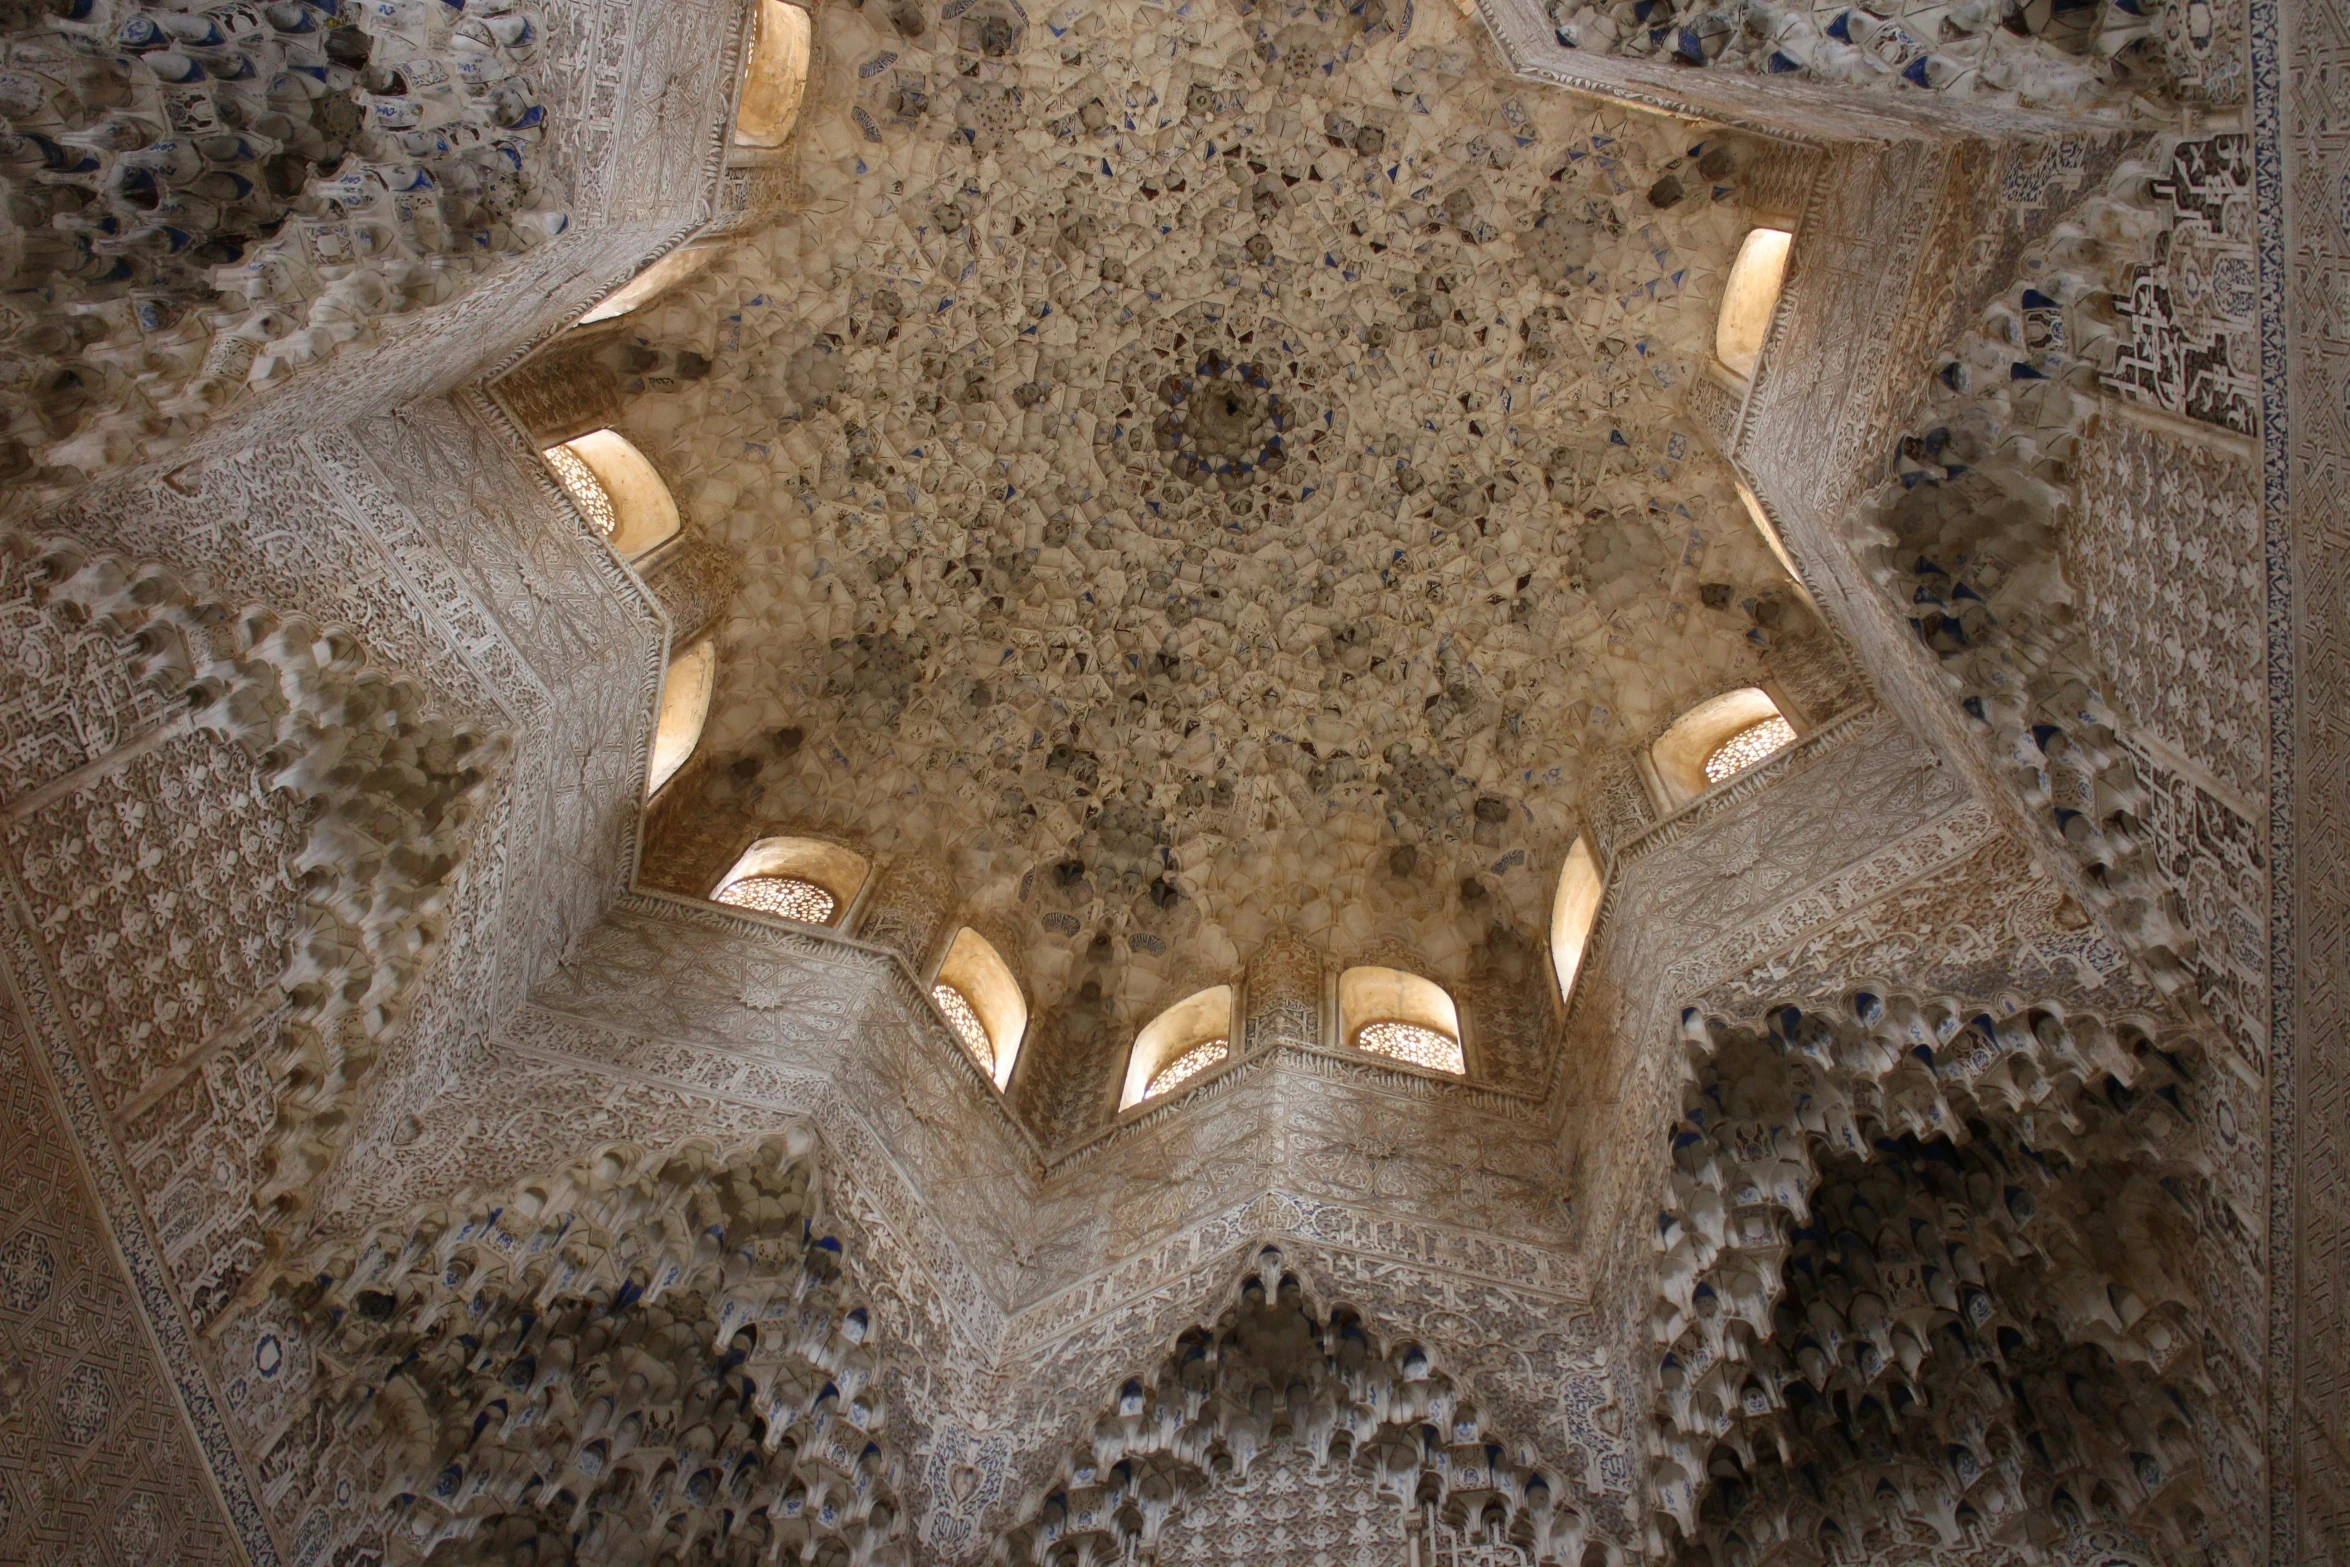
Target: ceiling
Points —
{"points": [[1203, 472]]}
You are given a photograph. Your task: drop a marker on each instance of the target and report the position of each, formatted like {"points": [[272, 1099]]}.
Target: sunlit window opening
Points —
{"points": [[685, 704], [1188, 1065], [1749, 298], [966, 1023], [1572, 913], [1410, 1042], [775, 77], [1180, 1043], [587, 492], [1386, 1012], [975, 989], [1747, 747], [787, 896], [804, 879], [617, 490], [1713, 741], [1770, 536]]}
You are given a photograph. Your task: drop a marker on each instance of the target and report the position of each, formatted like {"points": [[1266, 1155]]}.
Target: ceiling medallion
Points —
{"points": [[1224, 424]]}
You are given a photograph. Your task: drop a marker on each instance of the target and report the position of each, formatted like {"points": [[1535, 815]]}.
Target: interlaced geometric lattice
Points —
{"points": [[1747, 747], [958, 1010], [587, 492], [1187, 1066], [1410, 1042], [790, 896]]}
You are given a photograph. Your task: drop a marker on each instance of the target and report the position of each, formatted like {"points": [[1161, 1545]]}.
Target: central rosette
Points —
{"points": [[1223, 425]]}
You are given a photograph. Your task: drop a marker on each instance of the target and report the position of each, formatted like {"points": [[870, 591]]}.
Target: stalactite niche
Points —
{"points": [[1203, 1459], [1933, 1288], [638, 1362]]}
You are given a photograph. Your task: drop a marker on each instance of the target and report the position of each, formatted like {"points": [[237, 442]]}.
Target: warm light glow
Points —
{"points": [[1179, 1038], [763, 877], [1770, 536], [685, 703], [787, 896], [775, 77], [987, 1002], [1747, 747], [1387, 1012], [655, 280], [1572, 911], [1410, 1042], [957, 1007], [587, 492], [1187, 1066], [617, 490], [1683, 754], [1749, 298]]}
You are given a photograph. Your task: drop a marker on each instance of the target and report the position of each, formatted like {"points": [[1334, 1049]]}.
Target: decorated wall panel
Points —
{"points": [[96, 1453], [2300, 65]]}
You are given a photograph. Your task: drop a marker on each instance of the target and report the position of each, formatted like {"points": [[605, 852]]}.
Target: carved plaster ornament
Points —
{"points": [[1200, 501], [212, 198]]}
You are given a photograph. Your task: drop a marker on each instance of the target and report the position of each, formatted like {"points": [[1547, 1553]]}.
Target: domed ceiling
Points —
{"points": [[1207, 471]]}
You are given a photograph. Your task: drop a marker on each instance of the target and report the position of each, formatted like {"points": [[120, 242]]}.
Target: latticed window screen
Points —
{"points": [[587, 492], [1187, 1066], [1410, 1042], [958, 1010], [790, 896], [1747, 747]]}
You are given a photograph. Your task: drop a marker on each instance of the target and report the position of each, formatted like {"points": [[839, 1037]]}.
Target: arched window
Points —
{"points": [[1715, 740], [617, 490], [775, 76], [798, 878], [976, 991], [654, 281], [1749, 298], [1180, 1043], [1387, 1012], [1572, 911], [685, 703]]}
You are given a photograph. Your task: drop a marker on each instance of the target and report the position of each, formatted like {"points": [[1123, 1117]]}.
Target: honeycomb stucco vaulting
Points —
{"points": [[1203, 495], [1196, 485]]}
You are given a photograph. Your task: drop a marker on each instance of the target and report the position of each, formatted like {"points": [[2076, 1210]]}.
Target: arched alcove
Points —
{"points": [[802, 879], [654, 281], [1187, 1039], [1386, 1012], [685, 703], [980, 998], [775, 76], [1572, 911], [1748, 299], [617, 489], [1712, 742]]}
